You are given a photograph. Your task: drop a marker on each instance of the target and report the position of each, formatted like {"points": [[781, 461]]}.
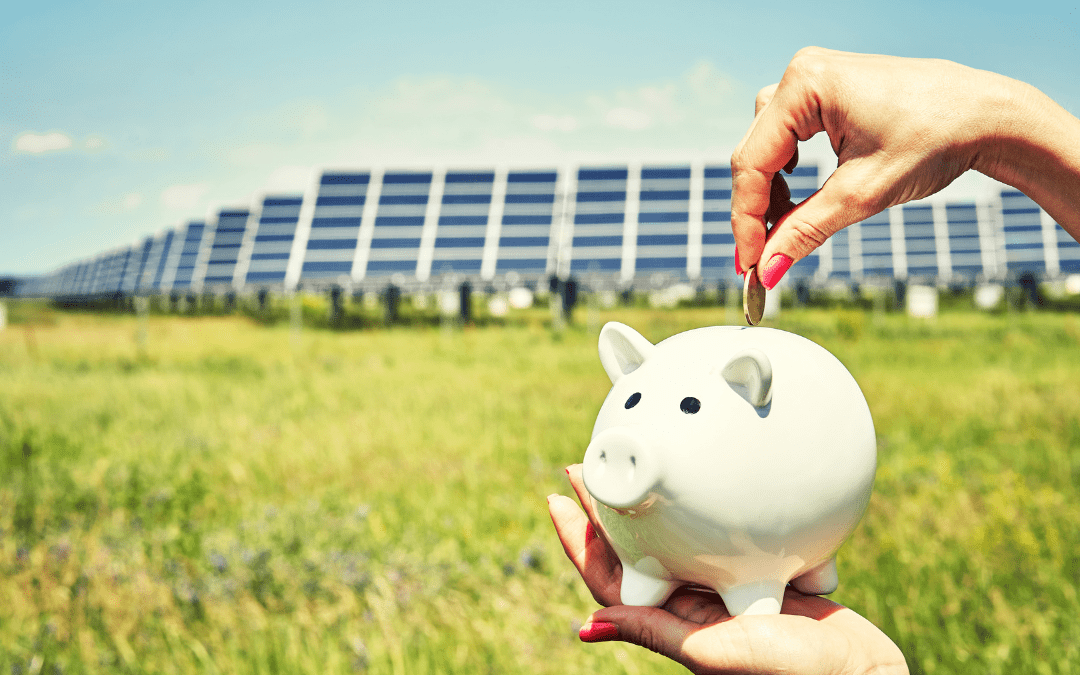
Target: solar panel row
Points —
{"points": [[628, 222]]}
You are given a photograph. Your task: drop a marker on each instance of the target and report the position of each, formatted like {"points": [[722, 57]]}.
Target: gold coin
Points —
{"points": [[753, 297]]}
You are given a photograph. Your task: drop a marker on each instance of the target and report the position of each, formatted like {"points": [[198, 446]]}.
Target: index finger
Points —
{"points": [[768, 147]]}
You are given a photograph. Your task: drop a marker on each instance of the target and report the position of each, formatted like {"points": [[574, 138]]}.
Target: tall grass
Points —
{"points": [[231, 500]]}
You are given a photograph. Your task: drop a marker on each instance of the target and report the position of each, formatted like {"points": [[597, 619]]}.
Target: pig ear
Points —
{"points": [[622, 350], [750, 374]]}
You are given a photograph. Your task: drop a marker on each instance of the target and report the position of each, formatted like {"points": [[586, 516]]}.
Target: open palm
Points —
{"points": [[812, 635]]}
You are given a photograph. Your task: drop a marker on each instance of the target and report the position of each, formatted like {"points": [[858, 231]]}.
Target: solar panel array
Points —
{"points": [[275, 231], [626, 223]]}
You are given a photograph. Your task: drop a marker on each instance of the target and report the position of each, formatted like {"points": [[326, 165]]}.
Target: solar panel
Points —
{"points": [[123, 259], [841, 255], [663, 220], [335, 225], [66, 282], [136, 266], [63, 281], [81, 278], [119, 266], [717, 241], [276, 230], [77, 278], [117, 262], [599, 220], [110, 283], [803, 182], [965, 246], [920, 245], [876, 244], [90, 280], [462, 224], [1068, 250], [228, 235], [399, 223], [525, 237], [614, 220], [184, 259], [150, 281], [1022, 225], [101, 264]]}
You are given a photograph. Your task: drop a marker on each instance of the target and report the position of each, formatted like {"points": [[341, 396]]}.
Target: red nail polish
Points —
{"points": [[598, 632], [567, 471], [778, 266], [738, 266], [590, 532]]}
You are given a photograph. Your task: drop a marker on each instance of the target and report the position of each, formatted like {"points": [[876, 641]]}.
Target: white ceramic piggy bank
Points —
{"points": [[739, 459]]}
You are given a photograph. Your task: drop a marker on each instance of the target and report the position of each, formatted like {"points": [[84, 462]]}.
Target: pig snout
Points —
{"points": [[620, 468]]}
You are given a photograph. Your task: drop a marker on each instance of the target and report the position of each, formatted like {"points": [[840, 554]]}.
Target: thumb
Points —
{"points": [[843, 199]]}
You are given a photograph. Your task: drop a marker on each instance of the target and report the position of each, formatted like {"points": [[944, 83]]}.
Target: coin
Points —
{"points": [[753, 297]]}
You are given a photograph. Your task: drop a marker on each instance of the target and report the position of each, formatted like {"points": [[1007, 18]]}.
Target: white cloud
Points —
{"points": [[94, 143], [36, 144], [628, 118], [117, 205], [416, 121], [184, 197]]}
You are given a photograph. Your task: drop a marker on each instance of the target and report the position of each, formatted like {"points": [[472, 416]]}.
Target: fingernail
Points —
{"points": [[598, 632], [738, 266], [567, 471], [778, 266]]}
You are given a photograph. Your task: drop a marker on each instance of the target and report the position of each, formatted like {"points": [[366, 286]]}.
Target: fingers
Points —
{"points": [[787, 113], [648, 627], [759, 644], [760, 101], [744, 644], [763, 97], [573, 472], [806, 226], [792, 163], [597, 564], [779, 200], [766, 149]]}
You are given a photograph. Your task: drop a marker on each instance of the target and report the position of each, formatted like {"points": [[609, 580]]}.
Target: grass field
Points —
{"points": [[231, 499]]}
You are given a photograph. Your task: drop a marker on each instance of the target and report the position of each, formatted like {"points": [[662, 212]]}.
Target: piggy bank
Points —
{"points": [[738, 459]]}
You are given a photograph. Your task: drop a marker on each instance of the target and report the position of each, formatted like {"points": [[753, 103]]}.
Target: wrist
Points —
{"points": [[1032, 144]]}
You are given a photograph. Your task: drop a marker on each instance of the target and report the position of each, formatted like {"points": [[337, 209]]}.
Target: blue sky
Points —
{"points": [[119, 119]]}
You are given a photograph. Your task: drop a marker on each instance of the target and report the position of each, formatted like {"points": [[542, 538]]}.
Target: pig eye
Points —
{"points": [[690, 405], [633, 400]]}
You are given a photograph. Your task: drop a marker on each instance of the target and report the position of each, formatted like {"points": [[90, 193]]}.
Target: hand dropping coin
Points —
{"points": [[753, 297]]}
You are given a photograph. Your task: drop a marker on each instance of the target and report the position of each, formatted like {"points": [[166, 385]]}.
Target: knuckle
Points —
{"points": [[741, 162], [763, 97], [807, 236], [862, 198], [648, 637], [808, 63]]}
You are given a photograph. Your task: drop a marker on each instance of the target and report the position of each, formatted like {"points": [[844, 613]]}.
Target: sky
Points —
{"points": [[120, 119]]}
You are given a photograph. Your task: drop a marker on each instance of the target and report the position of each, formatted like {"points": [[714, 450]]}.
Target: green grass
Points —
{"points": [[232, 500]]}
